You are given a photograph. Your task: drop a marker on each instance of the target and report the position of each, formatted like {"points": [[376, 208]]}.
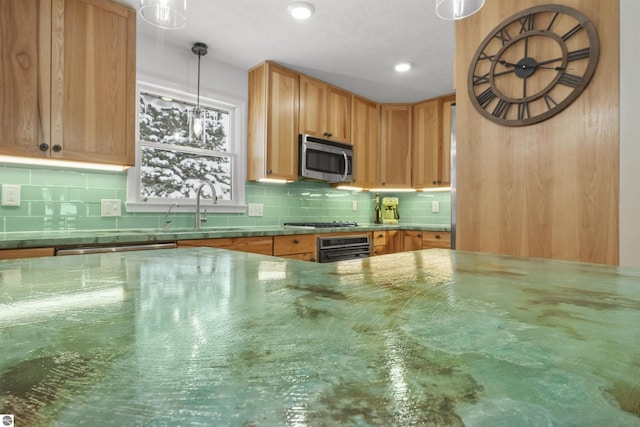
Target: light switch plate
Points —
{"points": [[10, 195], [255, 209], [110, 207], [435, 206], [354, 205]]}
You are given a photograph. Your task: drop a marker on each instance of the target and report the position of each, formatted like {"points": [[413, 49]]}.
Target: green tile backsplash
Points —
{"points": [[59, 199]]}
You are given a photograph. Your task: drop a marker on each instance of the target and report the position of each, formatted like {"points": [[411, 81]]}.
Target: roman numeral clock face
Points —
{"points": [[533, 65]]}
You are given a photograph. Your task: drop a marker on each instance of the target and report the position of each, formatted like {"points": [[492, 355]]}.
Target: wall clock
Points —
{"points": [[533, 65]]}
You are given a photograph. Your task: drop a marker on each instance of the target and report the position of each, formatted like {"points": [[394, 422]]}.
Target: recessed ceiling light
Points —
{"points": [[403, 66], [300, 10]]}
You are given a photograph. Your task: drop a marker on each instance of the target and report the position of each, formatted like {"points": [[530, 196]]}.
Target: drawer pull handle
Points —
{"points": [[296, 241], [437, 236], [57, 148], [380, 236], [43, 147]]}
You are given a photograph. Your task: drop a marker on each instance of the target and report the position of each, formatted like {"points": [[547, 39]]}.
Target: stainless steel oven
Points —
{"points": [[339, 248]]}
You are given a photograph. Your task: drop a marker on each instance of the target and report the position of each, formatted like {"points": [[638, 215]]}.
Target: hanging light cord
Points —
{"points": [[198, 98], [199, 49]]}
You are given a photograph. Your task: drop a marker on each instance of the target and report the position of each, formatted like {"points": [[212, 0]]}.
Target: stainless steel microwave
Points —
{"points": [[325, 160]]}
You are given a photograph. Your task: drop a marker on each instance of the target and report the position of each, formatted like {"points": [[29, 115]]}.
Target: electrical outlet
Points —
{"points": [[435, 206], [10, 195], [255, 209], [110, 207], [354, 205]]}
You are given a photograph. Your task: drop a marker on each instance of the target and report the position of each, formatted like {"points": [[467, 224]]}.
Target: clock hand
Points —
{"points": [[535, 67], [550, 68], [507, 64]]}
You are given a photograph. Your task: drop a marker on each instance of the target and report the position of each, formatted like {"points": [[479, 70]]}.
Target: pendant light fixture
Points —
{"points": [[197, 117], [165, 14], [457, 9]]}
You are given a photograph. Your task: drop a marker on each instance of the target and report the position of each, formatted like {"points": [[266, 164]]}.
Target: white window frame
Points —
{"points": [[237, 153]]}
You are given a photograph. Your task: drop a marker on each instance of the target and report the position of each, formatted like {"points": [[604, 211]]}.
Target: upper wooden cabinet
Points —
{"points": [[395, 142], [25, 76], [273, 123], [325, 110], [68, 80], [431, 145], [366, 142]]}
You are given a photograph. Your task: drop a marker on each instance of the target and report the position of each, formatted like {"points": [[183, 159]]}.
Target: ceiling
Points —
{"points": [[352, 44]]}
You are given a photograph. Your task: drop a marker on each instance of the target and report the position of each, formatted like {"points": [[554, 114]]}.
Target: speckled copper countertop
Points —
{"points": [[209, 337], [32, 239]]}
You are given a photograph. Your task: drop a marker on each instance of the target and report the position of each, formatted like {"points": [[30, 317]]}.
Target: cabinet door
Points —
{"points": [[432, 142], [411, 240], [93, 70], [445, 151], [366, 143], [325, 110], [339, 114], [313, 107], [395, 141], [426, 144], [394, 241], [25, 77], [272, 150]]}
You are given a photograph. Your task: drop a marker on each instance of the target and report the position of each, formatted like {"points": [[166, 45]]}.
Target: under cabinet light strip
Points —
{"points": [[62, 163], [392, 190]]}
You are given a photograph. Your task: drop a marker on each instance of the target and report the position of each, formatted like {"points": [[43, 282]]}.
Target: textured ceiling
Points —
{"points": [[350, 43]]}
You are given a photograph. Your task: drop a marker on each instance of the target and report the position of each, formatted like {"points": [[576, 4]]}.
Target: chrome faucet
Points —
{"points": [[167, 221], [198, 219]]}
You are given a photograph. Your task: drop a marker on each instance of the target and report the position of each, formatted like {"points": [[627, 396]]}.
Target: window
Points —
{"points": [[171, 163]]}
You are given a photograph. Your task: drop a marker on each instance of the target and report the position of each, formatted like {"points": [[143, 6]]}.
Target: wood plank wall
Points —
{"points": [[548, 190]]}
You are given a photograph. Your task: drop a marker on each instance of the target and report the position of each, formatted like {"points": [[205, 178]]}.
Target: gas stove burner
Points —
{"points": [[321, 224]]}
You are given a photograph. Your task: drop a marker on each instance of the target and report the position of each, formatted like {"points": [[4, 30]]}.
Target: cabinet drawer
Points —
{"points": [[294, 244], [26, 253], [256, 245], [307, 256], [436, 239]]}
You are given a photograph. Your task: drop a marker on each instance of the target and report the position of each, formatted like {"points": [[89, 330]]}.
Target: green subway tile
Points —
{"points": [[94, 223], [29, 224], [114, 180], [58, 178], [42, 193], [14, 175], [41, 209], [15, 211], [90, 195]]}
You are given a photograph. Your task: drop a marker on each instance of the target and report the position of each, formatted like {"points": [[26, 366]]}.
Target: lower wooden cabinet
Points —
{"points": [[436, 239], [411, 240], [295, 246], [26, 253], [378, 243], [392, 241], [257, 245]]}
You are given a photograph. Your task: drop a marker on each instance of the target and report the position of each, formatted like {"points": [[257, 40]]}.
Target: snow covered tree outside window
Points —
{"points": [[172, 164]]}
